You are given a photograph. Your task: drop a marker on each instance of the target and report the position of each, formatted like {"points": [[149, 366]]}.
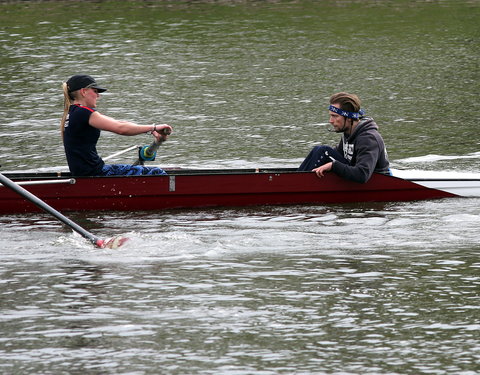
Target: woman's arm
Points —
{"points": [[102, 122]]}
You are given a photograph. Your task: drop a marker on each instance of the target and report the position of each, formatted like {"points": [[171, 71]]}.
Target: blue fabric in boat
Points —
{"points": [[130, 170]]}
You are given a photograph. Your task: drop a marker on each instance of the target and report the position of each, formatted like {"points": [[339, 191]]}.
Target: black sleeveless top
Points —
{"points": [[80, 142]]}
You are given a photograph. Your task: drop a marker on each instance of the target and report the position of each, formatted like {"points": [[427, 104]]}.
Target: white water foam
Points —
{"points": [[434, 158]]}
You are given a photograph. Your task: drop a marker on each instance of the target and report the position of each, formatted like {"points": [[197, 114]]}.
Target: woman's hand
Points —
{"points": [[162, 132]]}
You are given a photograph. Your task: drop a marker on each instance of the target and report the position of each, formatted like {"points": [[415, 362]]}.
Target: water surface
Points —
{"points": [[378, 288]]}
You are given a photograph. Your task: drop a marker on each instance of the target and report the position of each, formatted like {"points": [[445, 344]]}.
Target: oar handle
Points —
{"points": [[148, 153], [152, 149]]}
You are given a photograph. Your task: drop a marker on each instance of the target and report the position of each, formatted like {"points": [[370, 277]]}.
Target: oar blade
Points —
{"points": [[112, 243]]}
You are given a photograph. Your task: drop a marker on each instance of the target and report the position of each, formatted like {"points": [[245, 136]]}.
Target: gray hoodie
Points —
{"points": [[366, 152]]}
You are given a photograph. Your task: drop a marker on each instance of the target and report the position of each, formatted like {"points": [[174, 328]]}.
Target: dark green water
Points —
{"points": [[335, 289]]}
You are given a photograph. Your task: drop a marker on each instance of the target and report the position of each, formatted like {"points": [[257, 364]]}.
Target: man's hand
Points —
{"points": [[320, 171]]}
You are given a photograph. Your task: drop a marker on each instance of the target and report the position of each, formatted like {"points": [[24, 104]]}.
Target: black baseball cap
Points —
{"points": [[82, 81]]}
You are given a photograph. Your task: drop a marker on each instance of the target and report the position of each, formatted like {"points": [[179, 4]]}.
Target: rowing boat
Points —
{"points": [[195, 188]]}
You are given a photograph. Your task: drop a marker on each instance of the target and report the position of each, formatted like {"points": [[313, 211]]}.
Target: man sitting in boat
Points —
{"points": [[361, 150], [81, 125]]}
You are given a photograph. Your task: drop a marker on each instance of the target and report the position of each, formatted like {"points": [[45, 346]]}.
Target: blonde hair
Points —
{"points": [[68, 99]]}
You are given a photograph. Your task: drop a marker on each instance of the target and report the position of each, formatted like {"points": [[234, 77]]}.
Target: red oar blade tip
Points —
{"points": [[111, 243]]}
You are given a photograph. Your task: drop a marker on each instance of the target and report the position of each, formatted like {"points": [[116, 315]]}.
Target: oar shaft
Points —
{"points": [[119, 153], [47, 208]]}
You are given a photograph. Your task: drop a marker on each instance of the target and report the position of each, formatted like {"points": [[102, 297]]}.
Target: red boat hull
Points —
{"points": [[229, 189]]}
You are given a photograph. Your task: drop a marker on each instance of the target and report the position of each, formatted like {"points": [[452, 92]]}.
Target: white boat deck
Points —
{"points": [[465, 184]]}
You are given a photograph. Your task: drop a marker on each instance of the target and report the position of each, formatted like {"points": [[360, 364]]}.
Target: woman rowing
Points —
{"points": [[81, 125], [361, 150]]}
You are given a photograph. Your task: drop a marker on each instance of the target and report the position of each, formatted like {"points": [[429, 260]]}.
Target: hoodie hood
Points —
{"points": [[366, 124]]}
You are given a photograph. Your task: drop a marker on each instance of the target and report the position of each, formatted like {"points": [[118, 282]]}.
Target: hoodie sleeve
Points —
{"points": [[366, 153]]}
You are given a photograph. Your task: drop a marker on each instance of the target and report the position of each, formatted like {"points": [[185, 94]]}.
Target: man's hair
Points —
{"points": [[347, 102]]}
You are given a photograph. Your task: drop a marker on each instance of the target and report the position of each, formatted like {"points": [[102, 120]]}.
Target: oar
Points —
{"points": [[119, 153], [148, 153], [112, 243]]}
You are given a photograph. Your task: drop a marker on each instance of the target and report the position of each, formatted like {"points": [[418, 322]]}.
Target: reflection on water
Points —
{"points": [[352, 289]]}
